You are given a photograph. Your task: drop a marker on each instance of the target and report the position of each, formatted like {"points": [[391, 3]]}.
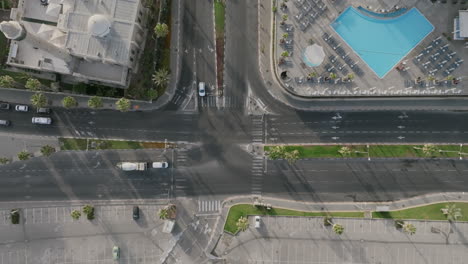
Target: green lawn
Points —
{"points": [[219, 18], [80, 144], [376, 151], [428, 212], [236, 211]]}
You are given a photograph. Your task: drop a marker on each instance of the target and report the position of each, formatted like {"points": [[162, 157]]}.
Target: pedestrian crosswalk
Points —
{"points": [[257, 129], [207, 102], [182, 158], [212, 101], [209, 206], [257, 175]]}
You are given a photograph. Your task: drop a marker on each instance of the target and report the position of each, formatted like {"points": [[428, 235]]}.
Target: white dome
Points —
{"points": [[99, 25]]}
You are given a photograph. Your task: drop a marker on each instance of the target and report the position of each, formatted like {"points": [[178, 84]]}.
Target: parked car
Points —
{"points": [[115, 252], [201, 89], [21, 108], [257, 221], [42, 120], [4, 122], [136, 212], [160, 165], [43, 110], [4, 106]]}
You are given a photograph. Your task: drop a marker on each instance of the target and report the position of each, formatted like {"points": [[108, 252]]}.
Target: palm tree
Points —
{"points": [[285, 17], [333, 76], [242, 223], [338, 229], [427, 149], [292, 155], [161, 77], [39, 100], [164, 213], [32, 84], [409, 228], [161, 30], [284, 54], [276, 152], [345, 151], [6, 81], [24, 155], [452, 212]]}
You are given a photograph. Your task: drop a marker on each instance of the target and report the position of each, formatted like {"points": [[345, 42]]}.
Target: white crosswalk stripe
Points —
{"points": [[257, 129], [257, 175], [209, 205], [181, 158]]}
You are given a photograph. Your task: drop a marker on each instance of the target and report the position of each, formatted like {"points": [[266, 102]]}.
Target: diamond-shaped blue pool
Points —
{"points": [[382, 41]]}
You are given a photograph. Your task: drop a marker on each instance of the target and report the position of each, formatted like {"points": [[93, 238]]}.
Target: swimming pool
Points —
{"points": [[382, 42]]}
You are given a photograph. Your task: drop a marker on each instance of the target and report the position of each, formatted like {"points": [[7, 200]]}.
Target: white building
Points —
{"points": [[80, 40]]}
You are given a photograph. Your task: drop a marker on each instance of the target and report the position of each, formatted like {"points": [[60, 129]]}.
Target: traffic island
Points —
{"points": [[95, 144], [369, 151], [219, 15]]}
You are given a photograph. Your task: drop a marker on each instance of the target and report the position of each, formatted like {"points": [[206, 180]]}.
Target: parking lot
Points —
{"points": [[307, 240], [50, 235]]}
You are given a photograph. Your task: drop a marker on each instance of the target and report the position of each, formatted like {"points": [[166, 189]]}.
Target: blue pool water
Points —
{"points": [[382, 42]]}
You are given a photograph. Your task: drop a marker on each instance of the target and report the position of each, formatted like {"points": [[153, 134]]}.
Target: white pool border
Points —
{"points": [[402, 58]]}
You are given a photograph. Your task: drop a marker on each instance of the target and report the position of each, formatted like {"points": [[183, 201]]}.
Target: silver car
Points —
{"points": [[21, 108]]}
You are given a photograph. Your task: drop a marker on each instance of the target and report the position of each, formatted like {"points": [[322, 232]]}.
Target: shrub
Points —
{"points": [[123, 104], [95, 102], [47, 150], [4, 160], [24, 155], [6, 81], [75, 214], [69, 102], [89, 211]]}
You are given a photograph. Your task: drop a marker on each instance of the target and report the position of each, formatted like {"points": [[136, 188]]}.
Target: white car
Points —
{"points": [[42, 120], [160, 165], [21, 108], [257, 221], [201, 89]]}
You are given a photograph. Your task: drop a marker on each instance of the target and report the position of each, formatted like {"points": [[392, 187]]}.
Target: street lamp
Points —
{"points": [[364, 152]]}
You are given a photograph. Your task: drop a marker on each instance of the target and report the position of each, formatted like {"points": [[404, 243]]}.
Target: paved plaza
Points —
{"points": [[427, 70], [307, 240]]}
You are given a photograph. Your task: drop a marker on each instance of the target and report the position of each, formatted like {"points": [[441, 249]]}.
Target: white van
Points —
{"points": [[42, 120], [160, 165]]}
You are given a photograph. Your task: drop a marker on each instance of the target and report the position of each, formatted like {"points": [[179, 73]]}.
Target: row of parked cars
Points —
{"points": [[41, 120]]}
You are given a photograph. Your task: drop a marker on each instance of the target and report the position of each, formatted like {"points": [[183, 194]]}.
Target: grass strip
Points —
{"points": [[377, 151], [81, 144], [219, 18], [426, 212], [236, 211]]}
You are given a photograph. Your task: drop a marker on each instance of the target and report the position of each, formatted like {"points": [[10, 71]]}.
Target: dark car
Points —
{"points": [[43, 110], [136, 213], [4, 106]]}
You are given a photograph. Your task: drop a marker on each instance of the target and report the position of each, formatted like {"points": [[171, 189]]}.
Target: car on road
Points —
{"points": [[21, 108], [115, 252], [136, 212], [201, 89], [257, 221], [43, 110], [4, 106], [160, 165], [42, 120], [5, 122]]}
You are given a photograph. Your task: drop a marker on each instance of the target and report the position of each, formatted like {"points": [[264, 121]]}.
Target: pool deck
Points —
{"points": [[395, 83]]}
